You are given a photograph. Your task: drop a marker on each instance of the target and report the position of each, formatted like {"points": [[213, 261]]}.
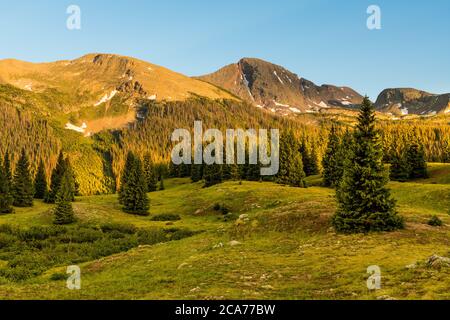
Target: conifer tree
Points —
{"points": [[196, 172], [23, 183], [364, 202], [332, 161], [415, 157], [400, 169], [306, 158], [126, 173], [161, 183], [40, 182], [315, 163], [71, 177], [55, 182], [212, 174], [6, 199], [150, 173], [134, 196], [7, 170], [63, 213], [296, 173]]}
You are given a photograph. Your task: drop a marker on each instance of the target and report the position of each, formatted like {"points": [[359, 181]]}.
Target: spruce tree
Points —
{"points": [[399, 170], [332, 162], [23, 183], [63, 213], [296, 173], [40, 182], [6, 199], [161, 183], [315, 163], [55, 180], [126, 173], [306, 158], [364, 202], [196, 172], [212, 174], [415, 157], [150, 174], [134, 196]]}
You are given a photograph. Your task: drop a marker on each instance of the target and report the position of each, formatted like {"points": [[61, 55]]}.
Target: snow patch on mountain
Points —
{"points": [[295, 110], [73, 127], [106, 98], [246, 83], [280, 104], [276, 75]]}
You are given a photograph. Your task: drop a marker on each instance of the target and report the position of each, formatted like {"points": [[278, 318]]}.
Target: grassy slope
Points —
{"points": [[287, 249]]}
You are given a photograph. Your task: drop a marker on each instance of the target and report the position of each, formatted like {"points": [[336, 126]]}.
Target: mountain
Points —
{"points": [[272, 87], [99, 91], [404, 101]]}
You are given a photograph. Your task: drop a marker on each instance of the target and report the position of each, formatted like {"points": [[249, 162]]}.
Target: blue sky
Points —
{"points": [[323, 41]]}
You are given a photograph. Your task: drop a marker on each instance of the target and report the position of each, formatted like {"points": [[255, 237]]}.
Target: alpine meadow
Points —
{"points": [[358, 208]]}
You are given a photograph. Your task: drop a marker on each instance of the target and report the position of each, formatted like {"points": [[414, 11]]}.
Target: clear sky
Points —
{"points": [[323, 41]]}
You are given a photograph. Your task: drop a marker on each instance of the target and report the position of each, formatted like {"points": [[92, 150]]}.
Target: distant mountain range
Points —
{"points": [[272, 87], [109, 87]]}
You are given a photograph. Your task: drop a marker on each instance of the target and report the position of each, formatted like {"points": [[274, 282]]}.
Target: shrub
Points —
{"points": [[121, 227], [58, 276], [166, 217], [435, 221]]}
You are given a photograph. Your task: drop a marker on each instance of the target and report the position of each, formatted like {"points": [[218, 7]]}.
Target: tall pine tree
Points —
{"points": [[126, 173], [332, 162], [150, 174], [134, 196], [415, 157], [63, 213], [291, 164], [23, 183], [6, 199], [40, 182], [364, 202], [56, 178], [400, 169]]}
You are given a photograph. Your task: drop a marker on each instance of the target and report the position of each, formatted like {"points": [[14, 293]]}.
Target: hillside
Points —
{"points": [[272, 87], [285, 250], [404, 101], [100, 90]]}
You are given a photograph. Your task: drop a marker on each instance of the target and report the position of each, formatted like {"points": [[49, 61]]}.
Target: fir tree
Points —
{"points": [[315, 163], [212, 174], [415, 157], [23, 183], [134, 196], [364, 202], [150, 174], [332, 162], [6, 199], [40, 182], [63, 213], [296, 173], [161, 183], [126, 173], [306, 158], [196, 172], [400, 169], [55, 182]]}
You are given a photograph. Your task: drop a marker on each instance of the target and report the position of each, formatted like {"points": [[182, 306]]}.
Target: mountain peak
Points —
{"points": [[271, 86]]}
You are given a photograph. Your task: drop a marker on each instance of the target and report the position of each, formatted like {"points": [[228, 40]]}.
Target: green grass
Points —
{"points": [[286, 248]]}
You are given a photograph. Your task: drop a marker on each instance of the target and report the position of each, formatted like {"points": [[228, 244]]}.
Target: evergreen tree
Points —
{"points": [[126, 173], [296, 173], [6, 199], [7, 170], [161, 183], [40, 182], [212, 174], [196, 172], [134, 196], [150, 174], [315, 163], [23, 183], [332, 162], [55, 182], [306, 158], [364, 202], [415, 158], [63, 213], [400, 169]]}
